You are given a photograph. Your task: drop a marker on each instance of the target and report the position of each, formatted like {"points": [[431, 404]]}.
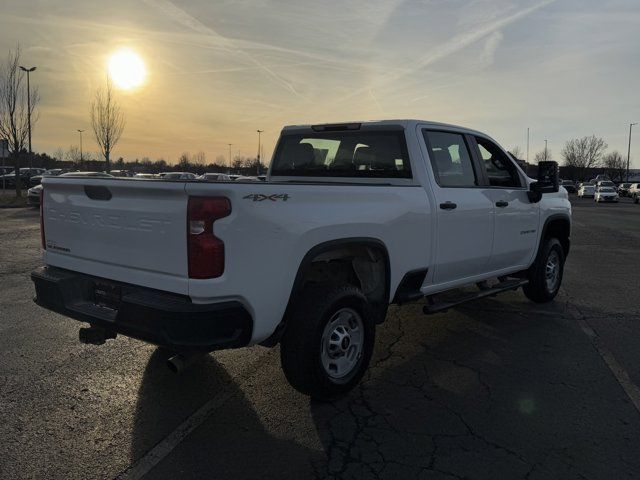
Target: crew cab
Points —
{"points": [[351, 218]]}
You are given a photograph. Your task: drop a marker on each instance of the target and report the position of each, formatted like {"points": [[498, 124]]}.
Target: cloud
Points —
{"points": [[454, 45], [182, 17], [490, 47]]}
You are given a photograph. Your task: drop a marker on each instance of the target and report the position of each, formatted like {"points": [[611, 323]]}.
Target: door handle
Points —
{"points": [[502, 204], [448, 206]]}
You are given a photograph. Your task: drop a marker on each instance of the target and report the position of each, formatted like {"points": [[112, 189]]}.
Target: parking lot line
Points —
{"points": [[622, 376], [154, 456], [163, 448]]}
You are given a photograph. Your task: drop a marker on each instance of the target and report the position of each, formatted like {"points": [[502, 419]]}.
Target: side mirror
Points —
{"points": [[548, 181]]}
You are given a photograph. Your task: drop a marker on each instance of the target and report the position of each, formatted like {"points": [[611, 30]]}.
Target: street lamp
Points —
{"points": [[230, 144], [81, 159], [629, 150], [258, 166], [29, 70], [545, 150]]}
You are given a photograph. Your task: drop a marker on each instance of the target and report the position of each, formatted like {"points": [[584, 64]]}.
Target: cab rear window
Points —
{"points": [[362, 154]]}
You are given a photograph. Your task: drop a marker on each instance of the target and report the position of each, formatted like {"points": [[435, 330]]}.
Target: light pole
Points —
{"points": [[258, 166], [545, 150], [81, 159], [29, 70], [527, 144], [629, 149], [229, 171]]}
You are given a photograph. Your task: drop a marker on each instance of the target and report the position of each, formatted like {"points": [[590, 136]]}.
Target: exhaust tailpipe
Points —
{"points": [[179, 362]]}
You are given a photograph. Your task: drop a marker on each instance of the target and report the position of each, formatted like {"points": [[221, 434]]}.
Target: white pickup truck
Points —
{"points": [[352, 217]]}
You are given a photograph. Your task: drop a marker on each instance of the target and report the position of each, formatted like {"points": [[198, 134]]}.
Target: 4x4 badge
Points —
{"points": [[259, 197]]}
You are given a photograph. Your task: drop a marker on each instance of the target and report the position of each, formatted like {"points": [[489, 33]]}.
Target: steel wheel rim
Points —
{"points": [[342, 344], [552, 271]]}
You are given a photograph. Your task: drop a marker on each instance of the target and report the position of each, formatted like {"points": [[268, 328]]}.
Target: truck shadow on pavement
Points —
{"points": [[492, 390], [231, 443]]}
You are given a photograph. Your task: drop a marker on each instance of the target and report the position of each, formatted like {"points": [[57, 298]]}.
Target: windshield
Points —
{"points": [[606, 190], [343, 154]]}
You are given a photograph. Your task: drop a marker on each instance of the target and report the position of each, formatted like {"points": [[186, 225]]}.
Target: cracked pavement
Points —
{"points": [[500, 388]]}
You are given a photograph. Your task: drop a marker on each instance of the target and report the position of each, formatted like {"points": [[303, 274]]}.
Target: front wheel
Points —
{"points": [[328, 341], [545, 275]]}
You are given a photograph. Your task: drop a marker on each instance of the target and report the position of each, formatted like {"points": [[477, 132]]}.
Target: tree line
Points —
{"points": [[581, 156]]}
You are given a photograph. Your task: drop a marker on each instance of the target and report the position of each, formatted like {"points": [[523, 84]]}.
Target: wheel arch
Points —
{"points": [[559, 226], [335, 250]]}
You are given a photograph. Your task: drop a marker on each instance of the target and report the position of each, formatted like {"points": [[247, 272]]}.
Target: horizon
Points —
{"points": [[214, 74]]}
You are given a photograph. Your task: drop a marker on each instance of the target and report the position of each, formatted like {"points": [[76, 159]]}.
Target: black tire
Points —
{"points": [[636, 198], [301, 345], [538, 289]]}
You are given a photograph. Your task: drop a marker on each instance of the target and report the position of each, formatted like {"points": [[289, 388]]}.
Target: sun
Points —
{"points": [[126, 69]]}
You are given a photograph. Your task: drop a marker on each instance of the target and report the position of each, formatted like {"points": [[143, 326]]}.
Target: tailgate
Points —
{"points": [[133, 231]]}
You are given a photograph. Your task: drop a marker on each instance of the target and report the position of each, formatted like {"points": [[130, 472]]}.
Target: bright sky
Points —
{"points": [[217, 71]]}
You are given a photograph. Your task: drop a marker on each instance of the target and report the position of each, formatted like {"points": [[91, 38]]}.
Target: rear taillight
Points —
{"points": [[205, 250], [44, 245]]}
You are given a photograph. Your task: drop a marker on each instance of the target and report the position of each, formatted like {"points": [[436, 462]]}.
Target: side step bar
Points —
{"points": [[489, 292]]}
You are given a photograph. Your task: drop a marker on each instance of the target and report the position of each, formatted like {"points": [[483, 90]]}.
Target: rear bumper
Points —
{"points": [[154, 316]]}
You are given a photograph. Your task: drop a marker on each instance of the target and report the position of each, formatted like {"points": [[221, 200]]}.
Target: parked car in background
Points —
{"points": [[178, 176], [634, 192], [623, 189], [145, 175], [25, 174], [587, 190], [4, 170], [33, 195], [243, 178], [600, 178], [605, 183], [569, 186], [54, 172], [606, 194], [87, 174], [215, 177], [122, 173]]}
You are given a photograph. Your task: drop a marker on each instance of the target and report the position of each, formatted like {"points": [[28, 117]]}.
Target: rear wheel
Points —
{"points": [[636, 198], [545, 275], [328, 341]]}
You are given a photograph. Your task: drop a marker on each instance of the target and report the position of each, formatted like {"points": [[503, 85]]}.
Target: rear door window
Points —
{"points": [[379, 154], [450, 159]]}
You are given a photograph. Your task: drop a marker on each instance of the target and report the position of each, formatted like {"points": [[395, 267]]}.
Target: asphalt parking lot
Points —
{"points": [[497, 389]]}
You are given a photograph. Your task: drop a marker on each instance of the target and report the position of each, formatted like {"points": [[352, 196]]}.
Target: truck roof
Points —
{"points": [[406, 123]]}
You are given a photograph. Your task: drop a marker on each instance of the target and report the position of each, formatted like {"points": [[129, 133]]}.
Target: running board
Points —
{"points": [[490, 292]]}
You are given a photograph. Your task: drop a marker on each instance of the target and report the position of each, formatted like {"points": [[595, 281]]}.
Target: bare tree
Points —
{"points": [[107, 121], [184, 161], [583, 153], [73, 154], [543, 156], [615, 166], [14, 111], [516, 151], [199, 158], [59, 154]]}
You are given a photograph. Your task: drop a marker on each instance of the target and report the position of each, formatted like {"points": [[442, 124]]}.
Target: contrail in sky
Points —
{"points": [[171, 10]]}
